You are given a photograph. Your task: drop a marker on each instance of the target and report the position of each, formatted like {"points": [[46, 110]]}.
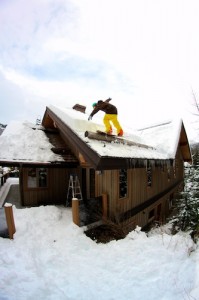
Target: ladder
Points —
{"points": [[74, 189]]}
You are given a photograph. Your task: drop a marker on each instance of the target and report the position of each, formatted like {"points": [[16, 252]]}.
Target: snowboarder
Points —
{"points": [[110, 115]]}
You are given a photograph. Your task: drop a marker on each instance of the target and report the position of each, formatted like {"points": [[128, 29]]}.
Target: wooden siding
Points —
{"points": [[54, 193], [166, 180], [132, 210]]}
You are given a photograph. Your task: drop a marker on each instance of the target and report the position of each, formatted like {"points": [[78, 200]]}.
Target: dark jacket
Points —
{"points": [[104, 106]]}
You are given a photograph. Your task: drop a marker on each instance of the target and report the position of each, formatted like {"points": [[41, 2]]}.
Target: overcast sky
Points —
{"points": [[144, 54]]}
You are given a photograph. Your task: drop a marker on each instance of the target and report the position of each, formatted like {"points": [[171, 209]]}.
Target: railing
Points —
{"points": [[3, 178]]}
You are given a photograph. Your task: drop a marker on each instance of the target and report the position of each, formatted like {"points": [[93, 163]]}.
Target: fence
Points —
{"points": [[3, 178]]}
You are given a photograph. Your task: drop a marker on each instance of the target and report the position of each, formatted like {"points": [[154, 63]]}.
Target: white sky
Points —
{"points": [[56, 260], [143, 54]]}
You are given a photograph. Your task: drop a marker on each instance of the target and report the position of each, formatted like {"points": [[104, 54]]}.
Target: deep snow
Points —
{"points": [[51, 258]]}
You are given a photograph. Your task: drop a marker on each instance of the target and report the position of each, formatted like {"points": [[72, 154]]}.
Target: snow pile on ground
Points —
{"points": [[51, 258]]}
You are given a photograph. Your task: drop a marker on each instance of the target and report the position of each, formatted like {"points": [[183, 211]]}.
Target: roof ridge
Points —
{"points": [[155, 125]]}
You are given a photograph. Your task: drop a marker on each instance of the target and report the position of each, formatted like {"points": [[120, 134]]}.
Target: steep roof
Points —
{"points": [[161, 141], [61, 140]]}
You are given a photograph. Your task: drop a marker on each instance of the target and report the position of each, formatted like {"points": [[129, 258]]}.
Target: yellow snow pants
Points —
{"points": [[113, 119]]}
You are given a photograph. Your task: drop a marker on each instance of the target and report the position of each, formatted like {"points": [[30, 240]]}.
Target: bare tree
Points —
{"points": [[196, 103]]}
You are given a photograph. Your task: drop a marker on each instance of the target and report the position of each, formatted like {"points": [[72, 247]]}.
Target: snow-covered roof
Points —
{"points": [[164, 137], [162, 140], [26, 142]]}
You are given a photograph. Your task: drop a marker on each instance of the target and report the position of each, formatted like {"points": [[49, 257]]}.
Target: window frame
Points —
{"points": [[123, 182], [149, 176], [36, 183]]}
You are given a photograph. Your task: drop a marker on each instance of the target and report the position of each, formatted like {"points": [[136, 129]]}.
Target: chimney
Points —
{"points": [[80, 108]]}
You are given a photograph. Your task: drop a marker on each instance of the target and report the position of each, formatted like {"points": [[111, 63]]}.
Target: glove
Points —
{"points": [[89, 118]]}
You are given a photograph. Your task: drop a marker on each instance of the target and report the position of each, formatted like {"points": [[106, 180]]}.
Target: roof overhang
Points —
{"points": [[18, 164], [115, 163]]}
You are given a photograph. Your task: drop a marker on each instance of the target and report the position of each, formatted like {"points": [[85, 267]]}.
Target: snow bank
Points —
{"points": [[51, 258]]}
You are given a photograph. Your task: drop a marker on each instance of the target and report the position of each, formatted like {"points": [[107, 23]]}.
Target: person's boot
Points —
{"points": [[121, 133]]}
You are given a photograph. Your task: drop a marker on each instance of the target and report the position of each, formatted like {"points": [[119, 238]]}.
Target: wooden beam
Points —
{"points": [[116, 139]]}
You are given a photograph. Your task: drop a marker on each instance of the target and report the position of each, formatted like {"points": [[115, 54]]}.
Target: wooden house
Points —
{"points": [[140, 173]]}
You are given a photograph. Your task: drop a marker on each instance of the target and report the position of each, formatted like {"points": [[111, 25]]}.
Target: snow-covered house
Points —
{"points": [[139, 173]]}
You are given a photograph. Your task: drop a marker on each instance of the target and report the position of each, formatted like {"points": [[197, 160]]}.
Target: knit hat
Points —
{"points": [[94, 104]]}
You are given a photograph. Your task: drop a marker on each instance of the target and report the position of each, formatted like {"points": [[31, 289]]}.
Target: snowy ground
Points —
{"points": [[51, 258]]}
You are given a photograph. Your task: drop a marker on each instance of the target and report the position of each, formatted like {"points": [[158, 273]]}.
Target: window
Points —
{"points": [[32, 178], [37, 178], [123, 183], [149, 176], [42, 176]]}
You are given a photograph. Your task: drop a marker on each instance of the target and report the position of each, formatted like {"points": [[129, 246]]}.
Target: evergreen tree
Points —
{"points": [[187, 207]]}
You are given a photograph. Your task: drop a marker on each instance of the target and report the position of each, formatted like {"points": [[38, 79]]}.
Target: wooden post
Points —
{"points": [[104, 206], [10, 219], [75, 211]]}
